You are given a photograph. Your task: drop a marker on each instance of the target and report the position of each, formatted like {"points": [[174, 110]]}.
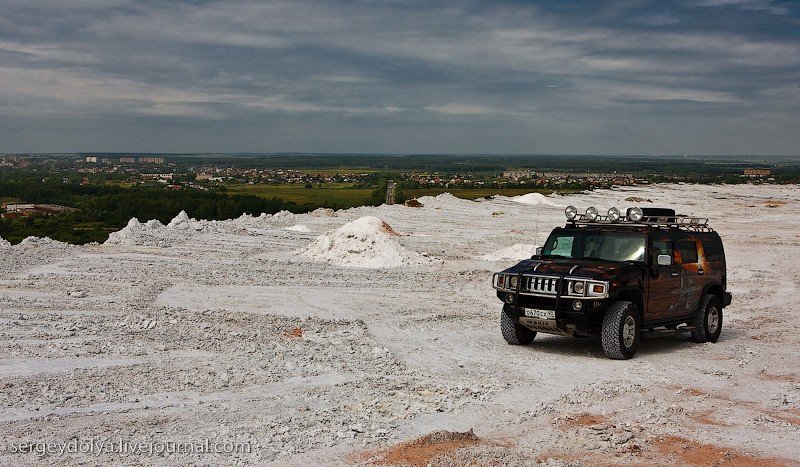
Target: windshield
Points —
{"points": [[608, 246]]}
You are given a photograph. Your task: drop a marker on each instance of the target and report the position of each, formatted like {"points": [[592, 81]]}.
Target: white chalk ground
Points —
{"points": [[189, 331]]}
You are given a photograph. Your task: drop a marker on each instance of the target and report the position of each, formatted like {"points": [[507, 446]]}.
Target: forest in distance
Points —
{"points": [[104, 202]]}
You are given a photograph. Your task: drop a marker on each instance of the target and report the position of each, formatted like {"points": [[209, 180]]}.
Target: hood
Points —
{"points": [[601, 270]]}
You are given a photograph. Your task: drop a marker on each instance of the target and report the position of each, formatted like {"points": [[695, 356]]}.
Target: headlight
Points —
{"points": [[613, 214], [512, 282], [591, 213], [578, 287], [635, 214], [571, 212]]}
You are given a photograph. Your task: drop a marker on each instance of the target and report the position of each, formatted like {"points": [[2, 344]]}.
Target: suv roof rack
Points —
{"points": [[696, 224]]}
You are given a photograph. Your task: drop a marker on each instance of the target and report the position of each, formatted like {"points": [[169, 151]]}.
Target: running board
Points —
{"points": [[667, 331]]}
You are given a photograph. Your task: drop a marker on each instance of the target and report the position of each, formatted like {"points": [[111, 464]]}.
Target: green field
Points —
{"points": [[342, 196], [335, 195]]}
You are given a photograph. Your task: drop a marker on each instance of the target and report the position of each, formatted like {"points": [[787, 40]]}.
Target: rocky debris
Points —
{"points": [[636, 199], [367, 242], [413, 203]]}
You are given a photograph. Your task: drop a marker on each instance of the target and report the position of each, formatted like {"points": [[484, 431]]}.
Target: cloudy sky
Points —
{"points": [[579, 77]]}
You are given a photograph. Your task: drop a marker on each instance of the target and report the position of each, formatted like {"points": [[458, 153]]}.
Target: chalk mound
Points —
{"points": [[518, 251], [4, 244], [137, 233], [536, 199], [181, 221], [323, 212], [298, 228], [368, 242]]}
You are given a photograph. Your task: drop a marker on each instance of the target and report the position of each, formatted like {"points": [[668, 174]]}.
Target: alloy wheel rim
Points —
{"points": [[629, 332], [712, 320]]}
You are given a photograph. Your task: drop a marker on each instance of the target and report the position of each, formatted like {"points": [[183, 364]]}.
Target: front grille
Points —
{"points": [[546, 285]]}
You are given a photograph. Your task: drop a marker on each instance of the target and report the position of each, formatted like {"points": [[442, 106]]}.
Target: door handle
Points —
{"points": [[701, 272], [674, 274]]}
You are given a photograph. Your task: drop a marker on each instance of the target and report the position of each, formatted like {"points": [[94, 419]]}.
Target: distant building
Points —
{"points": [[151, 160], [127, 160], [92, 159], [158, 176], [517, 175], [14, 210], [757, 172], [390, 192]]}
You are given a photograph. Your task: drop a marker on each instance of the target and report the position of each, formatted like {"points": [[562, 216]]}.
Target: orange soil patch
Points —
{"points": [[791, 378], [420, 451], [581, 419], [697, 454], [295, 333], [691, 391], [707, 418]]}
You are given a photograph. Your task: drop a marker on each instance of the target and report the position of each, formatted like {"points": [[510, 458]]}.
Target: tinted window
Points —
{"points": [[660, 247], [688, 251], [713, 246]]}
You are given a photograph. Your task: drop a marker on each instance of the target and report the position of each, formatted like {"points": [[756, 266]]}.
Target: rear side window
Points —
{"points": [[688, 250], [713, 246]]}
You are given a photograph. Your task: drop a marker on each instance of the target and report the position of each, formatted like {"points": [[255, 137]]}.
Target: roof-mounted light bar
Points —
{"points": [[635, 215]]}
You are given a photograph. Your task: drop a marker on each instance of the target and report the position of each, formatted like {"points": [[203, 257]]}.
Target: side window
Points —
{"points": [[712, 247], [688, 251], [562, 246], [660, 247]]}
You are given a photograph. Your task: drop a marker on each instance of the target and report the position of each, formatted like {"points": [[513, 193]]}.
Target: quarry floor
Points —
{"points": [[223, 332]]}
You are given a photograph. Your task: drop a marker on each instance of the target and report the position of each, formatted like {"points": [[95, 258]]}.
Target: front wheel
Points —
{"points": [[708, 322], [620, 333], [513, 332]]}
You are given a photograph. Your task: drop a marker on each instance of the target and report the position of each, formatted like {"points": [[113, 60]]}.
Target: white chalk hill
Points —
{"points": [[367, 242]]}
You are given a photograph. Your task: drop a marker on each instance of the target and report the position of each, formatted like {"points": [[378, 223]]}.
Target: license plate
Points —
{"points": [[541, 314]]}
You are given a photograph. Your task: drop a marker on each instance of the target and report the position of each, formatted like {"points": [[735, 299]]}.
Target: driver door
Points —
{"points": [[664, 282]]}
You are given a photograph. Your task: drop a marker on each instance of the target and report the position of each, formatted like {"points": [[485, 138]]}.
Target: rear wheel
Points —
{"points": [[621, 330], [513, 332], [708, 322]]}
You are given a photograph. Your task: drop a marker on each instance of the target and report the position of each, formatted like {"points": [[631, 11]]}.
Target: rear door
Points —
{"points": [[664, 283], [692, 274]]}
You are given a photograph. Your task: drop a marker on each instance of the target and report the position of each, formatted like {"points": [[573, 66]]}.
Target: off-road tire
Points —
{"points": [[513, 332], [706, 328], [618, 343]]}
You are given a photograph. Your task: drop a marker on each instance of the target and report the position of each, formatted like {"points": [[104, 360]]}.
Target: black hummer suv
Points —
{"points": [[616, 276]]}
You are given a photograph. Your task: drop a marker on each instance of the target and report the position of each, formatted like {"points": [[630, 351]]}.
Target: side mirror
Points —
{"points": [[664, 260], [538, 251]]}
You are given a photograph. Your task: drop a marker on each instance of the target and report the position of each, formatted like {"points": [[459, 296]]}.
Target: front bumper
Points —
{"points": [[567, 321]]}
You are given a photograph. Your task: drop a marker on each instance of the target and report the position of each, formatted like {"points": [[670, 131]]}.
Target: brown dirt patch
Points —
{"points": [[698, 454], [413, 203], [790, 378], [581, 419], [420, 451], [688, 390], [295, 333], [706, 418]]}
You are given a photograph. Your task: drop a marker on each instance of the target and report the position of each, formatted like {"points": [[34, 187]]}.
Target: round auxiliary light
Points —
{"points": [[613, 214], [577, 305], [571, 212], [591, 213], [510, 298], [635, 214]]}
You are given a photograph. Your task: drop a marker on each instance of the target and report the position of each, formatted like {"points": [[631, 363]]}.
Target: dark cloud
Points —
{"points": [[698, 76]]}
